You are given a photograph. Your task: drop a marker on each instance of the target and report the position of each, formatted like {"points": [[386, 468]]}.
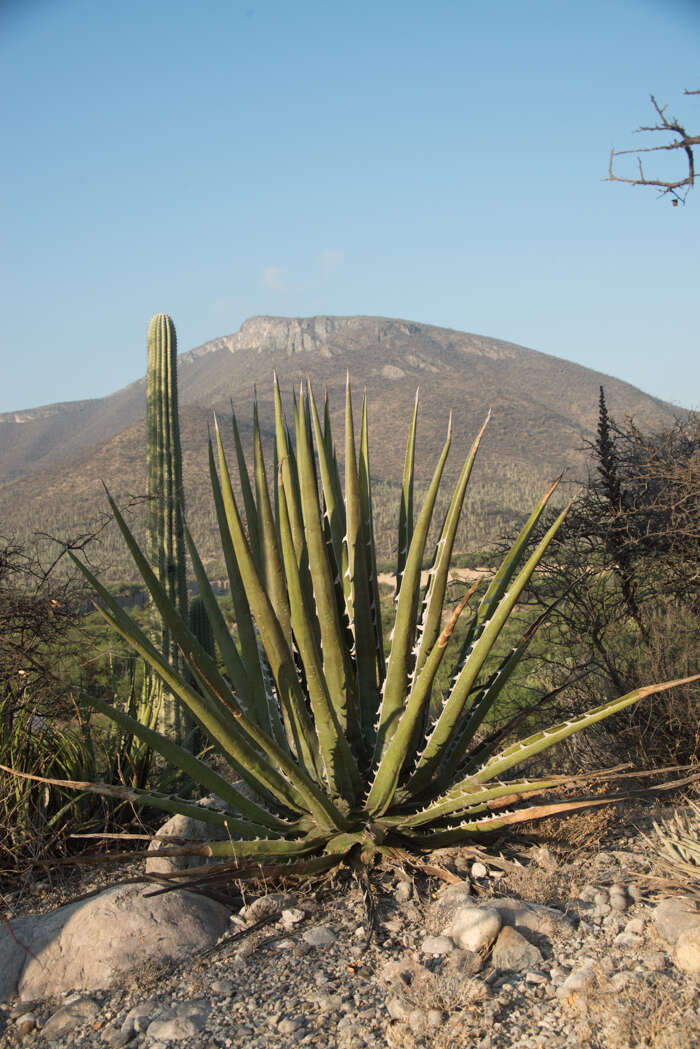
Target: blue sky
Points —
{"points": [[441, 162]]}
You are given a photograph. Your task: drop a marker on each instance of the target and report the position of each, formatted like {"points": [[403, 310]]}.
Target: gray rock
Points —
{"points": [[686, 952], [68, 1017], [89, 944], [397, 1008], [449, 900], [578, 983], [466, 963], [473, 928], [138, 1018], [619, 900], [436, 1018], [437, 945], [418, 1022], [24, 1024], [273, 902], [319, 936], [512, 952], [290, 1026], [404, 891], [175, 1029], [224, 987], [545, 921], [627, 940], [184, 830], [674, 916]]}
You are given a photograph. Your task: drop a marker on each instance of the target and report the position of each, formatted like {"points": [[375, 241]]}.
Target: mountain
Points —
{"points": [[52, 459]]}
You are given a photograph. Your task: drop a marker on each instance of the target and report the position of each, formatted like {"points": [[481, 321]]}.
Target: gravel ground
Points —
{"points": [[601, 976]]}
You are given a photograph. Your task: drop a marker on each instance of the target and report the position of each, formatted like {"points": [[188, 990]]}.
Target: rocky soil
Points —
{"points": [[553, 945]]}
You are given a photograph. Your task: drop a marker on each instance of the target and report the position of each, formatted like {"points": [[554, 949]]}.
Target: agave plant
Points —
{"points": [[346, 749]]}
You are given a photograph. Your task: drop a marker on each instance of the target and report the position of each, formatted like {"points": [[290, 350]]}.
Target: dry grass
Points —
{"points": [[662, 1016]]}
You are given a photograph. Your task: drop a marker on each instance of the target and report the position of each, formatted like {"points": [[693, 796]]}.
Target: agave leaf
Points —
{"points": [[491, 692], [395, 754], [444, 728], [227, 647], [470, 797], [501, 580], [539, 741], [358, 589], [336, 662], [399, 662], [251, 512], [370, 547], [164, 802], [439, 573], [406, 507], [226, 732], [271, 556], [263, 712], [332, 495], [338, 761]]}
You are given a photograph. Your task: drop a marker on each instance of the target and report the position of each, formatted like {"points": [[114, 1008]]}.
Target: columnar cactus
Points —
{"points": [[165, 538]]}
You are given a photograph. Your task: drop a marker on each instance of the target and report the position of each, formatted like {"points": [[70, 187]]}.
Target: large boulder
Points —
{"points": [[90, 944]]}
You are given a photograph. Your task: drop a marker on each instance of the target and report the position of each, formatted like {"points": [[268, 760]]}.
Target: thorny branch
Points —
{"points": [[684, 141]]}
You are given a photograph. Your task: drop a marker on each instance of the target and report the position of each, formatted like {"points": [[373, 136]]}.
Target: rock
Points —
{"points": [[397, 1008], [137, 1019], [417, 1021], [224, 987], [24, 1024], [578, 982], [319, 936], [404, 891], [190, 831], [274, 901], [513, 953], [449, 899], [466, 963], [619, 900], [635, 925], [66, 1019], [544, 858], [437, 945], [292, 916], [89, 944], [627, 940], [289, 1026], [686, 953], [545, 921], [479, 870], [173, 1030], [435, 1018], [474, 927], [674, 916]]}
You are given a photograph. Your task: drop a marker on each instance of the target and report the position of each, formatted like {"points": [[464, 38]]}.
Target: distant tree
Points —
{"points": [[681, 139], [626, 568]]}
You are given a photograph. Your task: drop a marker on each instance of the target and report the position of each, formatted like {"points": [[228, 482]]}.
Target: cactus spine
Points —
{"points": [[165, 538]]}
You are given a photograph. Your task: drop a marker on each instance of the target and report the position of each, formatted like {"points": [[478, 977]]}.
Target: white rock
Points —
{"points": [[479, 870], [474, 927]]}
